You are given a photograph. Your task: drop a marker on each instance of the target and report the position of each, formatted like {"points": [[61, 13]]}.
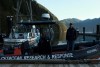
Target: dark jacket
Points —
{"points": [[44, 46], [71, 34]]}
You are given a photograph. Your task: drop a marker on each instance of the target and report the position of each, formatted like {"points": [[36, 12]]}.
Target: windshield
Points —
{"points": [[22, 29]]}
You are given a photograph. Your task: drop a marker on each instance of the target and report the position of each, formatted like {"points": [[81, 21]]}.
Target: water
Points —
{"points": [[87, 38], [80, 39]]}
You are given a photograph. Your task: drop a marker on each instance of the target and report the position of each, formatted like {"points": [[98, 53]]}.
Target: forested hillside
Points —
{"points": [[89, 24]]}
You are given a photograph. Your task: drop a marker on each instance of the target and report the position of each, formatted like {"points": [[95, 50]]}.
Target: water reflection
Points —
{"points": [[87, 38]]}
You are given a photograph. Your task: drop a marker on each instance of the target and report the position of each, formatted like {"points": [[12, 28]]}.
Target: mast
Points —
{"points": [[29, 7]]}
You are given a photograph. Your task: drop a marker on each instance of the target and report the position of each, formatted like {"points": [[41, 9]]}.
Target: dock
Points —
{"points": [[52, 63], [90, 34]]}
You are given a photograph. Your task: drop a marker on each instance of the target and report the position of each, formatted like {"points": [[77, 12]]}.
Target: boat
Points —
{"points": [[44, 50], [82, 50], [22, 48]]}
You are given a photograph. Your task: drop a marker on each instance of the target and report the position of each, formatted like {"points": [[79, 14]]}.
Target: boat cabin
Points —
{"points": [[21, 33]]}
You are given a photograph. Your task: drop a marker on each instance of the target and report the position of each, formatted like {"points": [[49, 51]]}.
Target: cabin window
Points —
{"points": [[22, 29]]}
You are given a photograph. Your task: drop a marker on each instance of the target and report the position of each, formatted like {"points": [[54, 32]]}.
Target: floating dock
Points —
{"points": [[52, 63]]}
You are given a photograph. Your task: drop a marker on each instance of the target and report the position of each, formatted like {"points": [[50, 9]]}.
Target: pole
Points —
{"points": [[98, 32], [19, 2], [83, 33]]}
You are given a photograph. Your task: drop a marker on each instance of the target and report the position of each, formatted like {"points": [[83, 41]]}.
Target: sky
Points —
{"points": [[80, 9]]}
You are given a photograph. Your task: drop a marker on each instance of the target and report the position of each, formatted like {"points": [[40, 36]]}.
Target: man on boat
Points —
{"points": [[71, 36], [44, 46]]}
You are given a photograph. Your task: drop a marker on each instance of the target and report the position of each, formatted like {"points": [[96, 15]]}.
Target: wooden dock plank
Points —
{"points": [[93, 61], [49, 65]]}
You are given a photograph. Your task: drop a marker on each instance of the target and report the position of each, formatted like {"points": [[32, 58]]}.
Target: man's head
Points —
{"points": [[71, 25]]}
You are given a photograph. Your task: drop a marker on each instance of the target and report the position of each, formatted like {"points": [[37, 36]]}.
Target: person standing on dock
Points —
{"points": [[71, 36]]}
